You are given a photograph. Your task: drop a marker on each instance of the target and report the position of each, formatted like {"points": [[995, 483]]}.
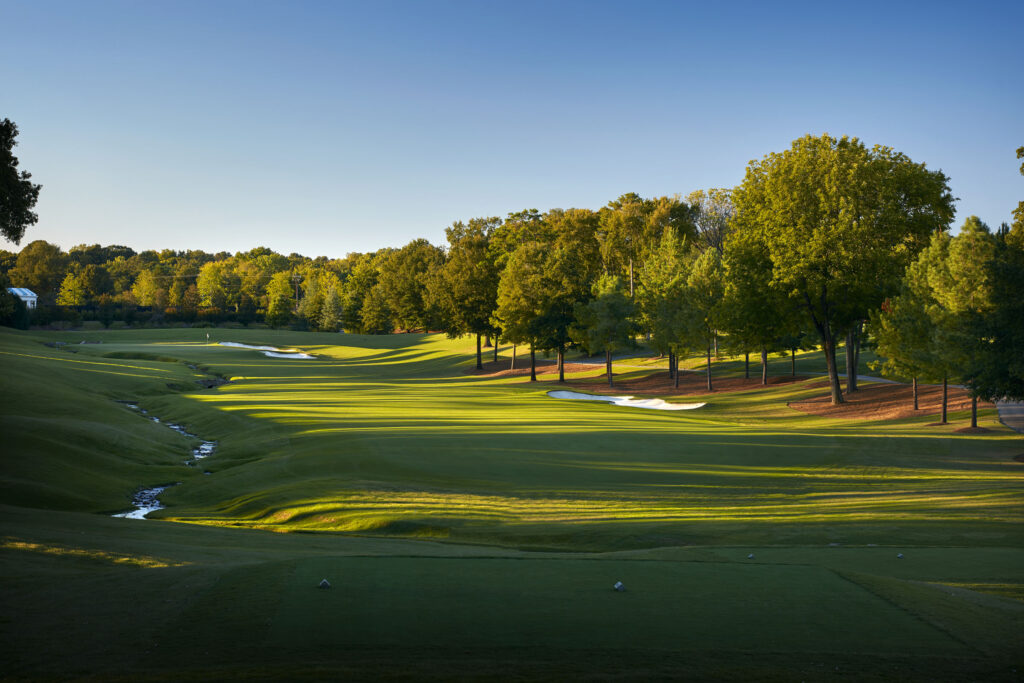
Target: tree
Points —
{"points": [[997, 370], [521, 299], [905, 336], [13, 312], [360, 282], [375, 315], [403, 278], [932, 328], [72, 291], [712, 211], [840, 223], [330, 313], [605, 323], [280, 299], [624, 234], [704, 289], [41, 267], [18, 195], [661, 297], [218, 284], [756, 316], [465, 289]]}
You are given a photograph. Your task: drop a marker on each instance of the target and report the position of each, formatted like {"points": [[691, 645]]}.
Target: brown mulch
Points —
{"points": [[654, 384], [886, 402], [690, 384], [544, 367]]}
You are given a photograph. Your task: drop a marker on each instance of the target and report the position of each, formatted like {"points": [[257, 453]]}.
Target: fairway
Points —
{"points": [[474, 526]]}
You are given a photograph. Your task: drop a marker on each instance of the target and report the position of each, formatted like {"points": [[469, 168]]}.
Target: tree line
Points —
{"points": [[829, 242]]}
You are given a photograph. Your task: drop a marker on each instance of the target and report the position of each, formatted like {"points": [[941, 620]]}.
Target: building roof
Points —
{"points": [[21, 292]]}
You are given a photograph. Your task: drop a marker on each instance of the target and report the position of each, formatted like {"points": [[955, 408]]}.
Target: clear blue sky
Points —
{"points": [[329, 127]]}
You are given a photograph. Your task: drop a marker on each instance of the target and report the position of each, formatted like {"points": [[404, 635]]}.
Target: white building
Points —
{"points": [[26, 295]]}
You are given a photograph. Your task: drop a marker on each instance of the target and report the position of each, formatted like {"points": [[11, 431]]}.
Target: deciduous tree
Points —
{"points": [[840, 223], [18, 194]]}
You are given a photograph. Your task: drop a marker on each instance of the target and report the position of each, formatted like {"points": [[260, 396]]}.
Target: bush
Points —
{"points": [[13, 311]]}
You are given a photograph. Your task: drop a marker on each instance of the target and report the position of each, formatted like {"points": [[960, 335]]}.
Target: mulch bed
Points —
{"points": [[503, 368], [870, 402], [654, 384], [690, 384], [887, 402]]}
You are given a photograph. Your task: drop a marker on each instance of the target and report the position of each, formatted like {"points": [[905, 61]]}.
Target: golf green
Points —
{"points": [[470, 525]]}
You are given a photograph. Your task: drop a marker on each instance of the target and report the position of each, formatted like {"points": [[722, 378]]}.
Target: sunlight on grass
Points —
{"points": [[360, 511], [82, 553]]}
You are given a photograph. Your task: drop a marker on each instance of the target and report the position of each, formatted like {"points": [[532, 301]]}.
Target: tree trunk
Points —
{"points": [[495, 349], [915, 393], [829, 347], [764, 367], [709, 367], [716, 344], [533, 364], [746, 366], [792, 362], [561, 364], [608, 365], [487, 341], [675, 366], [479, 358], [974, 411], [851, 360], [671, 367], [513, 357], [945, 396]]}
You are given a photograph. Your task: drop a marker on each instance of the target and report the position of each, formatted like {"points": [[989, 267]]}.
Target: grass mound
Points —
{"points": [[473, 526]]}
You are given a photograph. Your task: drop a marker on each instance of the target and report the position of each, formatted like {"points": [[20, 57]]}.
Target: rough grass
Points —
{"points": [[472, 526]]}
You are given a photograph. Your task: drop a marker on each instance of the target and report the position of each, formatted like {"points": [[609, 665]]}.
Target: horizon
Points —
{"points": [[330, 128]]}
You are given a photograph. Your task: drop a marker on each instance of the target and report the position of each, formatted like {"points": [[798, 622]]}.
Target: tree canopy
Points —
{"points": [[18, 194], [840, 222]]}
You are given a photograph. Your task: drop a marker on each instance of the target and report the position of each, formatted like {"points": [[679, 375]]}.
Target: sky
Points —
{"points": [[325, 128]]}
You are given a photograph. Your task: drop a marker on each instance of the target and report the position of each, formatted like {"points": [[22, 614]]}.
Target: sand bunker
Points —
{"points": [[271, 351], [627, 401]]}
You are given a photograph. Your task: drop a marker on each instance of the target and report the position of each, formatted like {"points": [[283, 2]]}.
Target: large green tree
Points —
{"points": [[18, 194], [465, 288], [522, 299], [756, 316], [606, 322], [403, 282], [664, 314], [41, 267], [712, 211], [280, 299], [840, 223], [704, 291]]}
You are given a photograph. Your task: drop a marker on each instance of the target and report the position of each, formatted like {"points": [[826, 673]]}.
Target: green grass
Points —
{"points": [[474, 526]]}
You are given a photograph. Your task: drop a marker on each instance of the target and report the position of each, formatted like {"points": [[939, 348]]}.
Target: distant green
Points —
{"points": [[475, 526]]}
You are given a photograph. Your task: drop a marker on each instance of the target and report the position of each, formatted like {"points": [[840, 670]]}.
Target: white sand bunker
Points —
{"points": [[627, 401], [271, 351]]}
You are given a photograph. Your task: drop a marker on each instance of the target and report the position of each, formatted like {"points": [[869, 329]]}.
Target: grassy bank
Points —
{"points": [[473, 525]]}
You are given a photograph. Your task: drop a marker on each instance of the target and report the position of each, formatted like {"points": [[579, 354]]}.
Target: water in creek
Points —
{"points": [[146, 500]]}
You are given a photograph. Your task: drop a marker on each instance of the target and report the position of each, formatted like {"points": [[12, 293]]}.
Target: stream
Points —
{"points": [[146, 500]]}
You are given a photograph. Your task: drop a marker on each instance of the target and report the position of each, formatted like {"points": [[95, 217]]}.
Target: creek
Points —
{"points": [[147, 500]]}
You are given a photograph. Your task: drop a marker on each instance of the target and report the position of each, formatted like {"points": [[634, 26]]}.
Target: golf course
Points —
{"points": [[472, 526]]}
